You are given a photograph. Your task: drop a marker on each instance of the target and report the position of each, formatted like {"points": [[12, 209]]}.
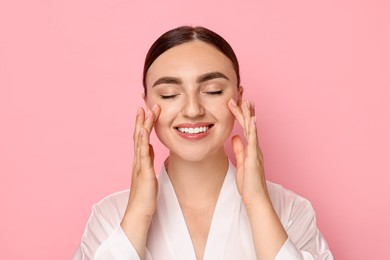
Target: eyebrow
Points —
{"points": [[210, 76], [202, 78], [167, 80]]}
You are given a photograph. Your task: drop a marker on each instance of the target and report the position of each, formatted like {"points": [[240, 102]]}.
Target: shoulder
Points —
{"points": [[104, 219], [298, 218], [116, 197], [108, 212], [288, 205], [113, 205], [280, 194]]}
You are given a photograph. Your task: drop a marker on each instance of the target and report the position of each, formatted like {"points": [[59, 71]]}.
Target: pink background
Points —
{"points": [[70, 77]]}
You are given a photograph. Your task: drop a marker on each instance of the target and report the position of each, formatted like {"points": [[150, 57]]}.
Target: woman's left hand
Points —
{"points": [[267, 230], [250, 177]]}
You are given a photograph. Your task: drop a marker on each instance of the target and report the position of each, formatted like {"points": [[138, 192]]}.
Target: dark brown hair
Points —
{"points": [[185, 34]]}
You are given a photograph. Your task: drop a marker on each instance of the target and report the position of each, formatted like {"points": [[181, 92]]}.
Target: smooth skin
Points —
{"points": [[197, 190]]}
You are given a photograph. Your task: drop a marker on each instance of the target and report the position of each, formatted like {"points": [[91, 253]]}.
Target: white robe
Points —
{"points": [[229, 236]]}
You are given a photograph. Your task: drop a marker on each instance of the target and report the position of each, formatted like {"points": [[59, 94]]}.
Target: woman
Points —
{"points": [[201, 206]]}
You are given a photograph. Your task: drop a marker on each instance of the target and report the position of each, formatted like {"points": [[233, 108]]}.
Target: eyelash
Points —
{"points": [[219, 92], [168, 97]]}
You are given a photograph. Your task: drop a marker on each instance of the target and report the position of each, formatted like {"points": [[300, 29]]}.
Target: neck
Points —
{"points": [[197, 184]]}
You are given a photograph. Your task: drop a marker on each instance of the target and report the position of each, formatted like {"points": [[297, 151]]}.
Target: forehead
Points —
{"points": [[190, 60]]}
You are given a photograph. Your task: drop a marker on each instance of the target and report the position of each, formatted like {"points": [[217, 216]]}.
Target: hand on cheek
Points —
{"points": [[250, 177], [143, 193]]}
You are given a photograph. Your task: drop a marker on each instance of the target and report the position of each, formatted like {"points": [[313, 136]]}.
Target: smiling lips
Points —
{"points": [[194, 131]]}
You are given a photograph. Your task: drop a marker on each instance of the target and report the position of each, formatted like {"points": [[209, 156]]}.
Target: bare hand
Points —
{"points": [[250, 177], [267, 231], [144, 186], [143, 190]]}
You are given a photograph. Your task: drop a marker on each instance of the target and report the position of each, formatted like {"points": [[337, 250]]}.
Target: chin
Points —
{"points": [[195, 155], [191, 157]]}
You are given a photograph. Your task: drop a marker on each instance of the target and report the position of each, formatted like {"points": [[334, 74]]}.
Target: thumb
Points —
{"points": [[238, 149]]}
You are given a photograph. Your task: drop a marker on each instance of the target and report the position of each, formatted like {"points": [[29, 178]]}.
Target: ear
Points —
{"points": [[240, 93]]}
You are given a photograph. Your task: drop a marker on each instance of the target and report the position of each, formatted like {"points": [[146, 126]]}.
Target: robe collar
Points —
{"points": [[174, 226]]}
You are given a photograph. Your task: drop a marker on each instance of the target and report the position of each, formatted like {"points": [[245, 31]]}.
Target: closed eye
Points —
{"points": [[219, 92], [168, 96]]}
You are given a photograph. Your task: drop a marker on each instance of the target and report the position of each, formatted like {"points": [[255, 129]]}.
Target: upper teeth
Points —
{"points": [[195, 130]]}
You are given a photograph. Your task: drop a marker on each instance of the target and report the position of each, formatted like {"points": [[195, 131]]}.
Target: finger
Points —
{"points": [[151, 153], [145, 159], [236, 111], [151, 117], [136, 160], [253, 115], [245, 107], [253, 146], [239, 150], [136, 136], [137, 154], [139, 121], [253, 110], [258, 140]]}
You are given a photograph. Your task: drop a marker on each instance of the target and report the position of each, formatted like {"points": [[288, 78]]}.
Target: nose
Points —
{"points": [[193, 107]]}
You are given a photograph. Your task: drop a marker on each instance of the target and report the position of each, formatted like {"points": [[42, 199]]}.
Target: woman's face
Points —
{"points": [[192, 83]]}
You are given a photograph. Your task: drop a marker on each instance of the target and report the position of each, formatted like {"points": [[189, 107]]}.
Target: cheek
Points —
{"points": [[150, 100], [164, 109], [221, 109], [167, 115]]}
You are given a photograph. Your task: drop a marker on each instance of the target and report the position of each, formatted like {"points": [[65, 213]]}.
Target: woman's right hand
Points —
{"points": [[143, 193]]}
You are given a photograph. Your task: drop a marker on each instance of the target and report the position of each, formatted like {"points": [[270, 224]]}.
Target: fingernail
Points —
{"points": [[248, 104], [233, 103], [154, 107], [139, 111]]}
